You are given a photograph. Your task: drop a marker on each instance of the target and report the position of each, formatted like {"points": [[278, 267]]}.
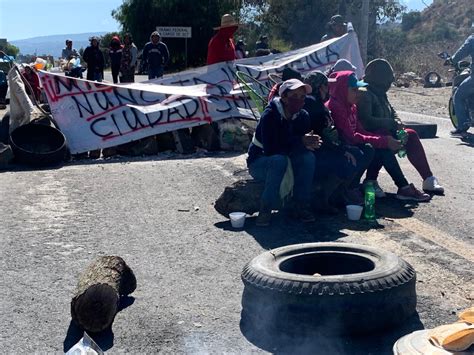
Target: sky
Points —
{"points": [[21, 19]]}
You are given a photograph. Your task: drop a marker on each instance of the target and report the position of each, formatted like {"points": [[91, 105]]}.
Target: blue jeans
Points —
{"points": [[461, 107], [331, 162], [156, 72], [271, 169]]}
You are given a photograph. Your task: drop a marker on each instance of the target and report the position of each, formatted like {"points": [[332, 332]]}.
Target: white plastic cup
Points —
{"points": [[237, 219], [354, 212]]}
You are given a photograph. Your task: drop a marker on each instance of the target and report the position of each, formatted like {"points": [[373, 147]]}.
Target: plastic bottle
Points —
{"points": [[402, 136], [369, 201]]}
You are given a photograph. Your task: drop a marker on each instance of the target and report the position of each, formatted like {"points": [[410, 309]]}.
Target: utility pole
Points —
{"points": [[364, 29]]}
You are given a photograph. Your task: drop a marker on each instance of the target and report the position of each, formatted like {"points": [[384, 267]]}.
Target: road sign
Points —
{"points": [[174, 32]]}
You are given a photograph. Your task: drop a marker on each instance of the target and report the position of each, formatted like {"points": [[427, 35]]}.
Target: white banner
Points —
{"points": [[99, 115]]}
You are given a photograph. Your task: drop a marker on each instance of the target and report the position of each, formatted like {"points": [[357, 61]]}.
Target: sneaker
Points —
{"points": [[411, 193], [459, 132], [304, 214], [379, 193], [264, 218], [354, 197], [431, 184]]}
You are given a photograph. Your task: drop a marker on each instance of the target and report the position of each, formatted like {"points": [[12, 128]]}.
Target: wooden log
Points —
{"points": [[97, 297]]}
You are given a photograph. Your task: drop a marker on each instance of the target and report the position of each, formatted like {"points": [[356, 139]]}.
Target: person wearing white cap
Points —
{"points": [[221, 47], [280, 153]]}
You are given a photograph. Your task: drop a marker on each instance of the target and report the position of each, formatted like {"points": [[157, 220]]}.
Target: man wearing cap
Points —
{"points": [[288, 73], [155, 55], [336, 28], [280, 153], [68, 51], [221, 47]]}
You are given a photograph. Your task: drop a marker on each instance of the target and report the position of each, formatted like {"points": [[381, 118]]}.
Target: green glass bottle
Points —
{"points": [[402, 136], [369, 201]]}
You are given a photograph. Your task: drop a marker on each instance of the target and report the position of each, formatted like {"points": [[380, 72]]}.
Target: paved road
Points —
{"points": [[157, 213]]}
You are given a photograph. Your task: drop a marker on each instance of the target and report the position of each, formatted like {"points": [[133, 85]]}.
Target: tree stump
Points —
{"points": [[241, 196], [97, 297]]}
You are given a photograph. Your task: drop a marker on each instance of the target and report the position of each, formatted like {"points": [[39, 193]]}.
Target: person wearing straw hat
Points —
{"points": [[221, 47]]}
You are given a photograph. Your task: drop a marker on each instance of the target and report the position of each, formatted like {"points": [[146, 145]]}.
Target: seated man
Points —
{"points": [[344, 97], [377, 115], [279, 155], [337, 165], [287, 74]]}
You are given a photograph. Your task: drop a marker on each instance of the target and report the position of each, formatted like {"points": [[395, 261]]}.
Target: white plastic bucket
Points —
{"points": [[354, 212], [237, 219]]}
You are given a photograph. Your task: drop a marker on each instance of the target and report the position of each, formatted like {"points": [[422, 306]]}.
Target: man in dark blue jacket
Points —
{"points": [[156, 55], [280, 155]]}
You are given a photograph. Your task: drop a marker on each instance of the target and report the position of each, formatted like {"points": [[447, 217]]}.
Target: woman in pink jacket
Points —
{"points": [[342, 104]]}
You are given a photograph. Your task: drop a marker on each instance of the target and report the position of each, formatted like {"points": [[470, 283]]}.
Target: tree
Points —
{"points": [[10, 49], [303, 22], [410, 20], [141, 18]]}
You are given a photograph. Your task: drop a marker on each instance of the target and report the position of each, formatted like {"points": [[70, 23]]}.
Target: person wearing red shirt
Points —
{"points": [[221, 47]]}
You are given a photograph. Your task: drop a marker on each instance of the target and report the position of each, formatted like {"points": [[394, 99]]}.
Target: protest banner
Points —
{"points": [[99, 115]]}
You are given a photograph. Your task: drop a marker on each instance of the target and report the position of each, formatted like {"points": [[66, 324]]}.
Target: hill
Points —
{"points": [[443, 26], [52, 45]]}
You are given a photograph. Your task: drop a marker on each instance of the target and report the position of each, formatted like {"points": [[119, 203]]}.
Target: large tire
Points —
{"points": [[424, 130], [452, 114], [430, 83], [361, 290], [38, 145]]}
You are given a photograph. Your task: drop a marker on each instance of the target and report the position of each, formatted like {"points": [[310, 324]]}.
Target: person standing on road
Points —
{"points": [[68, 51], [129, 60], [465, 90], [342, 104], [378, 116], [281, 150], [115, 53], [221, 47], [155, 55], [94, 58]]}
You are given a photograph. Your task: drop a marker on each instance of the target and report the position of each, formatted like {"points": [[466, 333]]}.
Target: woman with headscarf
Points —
{"points": [[345, 93], [94, 58], [377, 115], [115, 53]]}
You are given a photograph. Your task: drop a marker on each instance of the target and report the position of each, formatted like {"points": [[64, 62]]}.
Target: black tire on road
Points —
{"points": [[361, 290], [429, 83], [424, 130], [38, 145]]}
